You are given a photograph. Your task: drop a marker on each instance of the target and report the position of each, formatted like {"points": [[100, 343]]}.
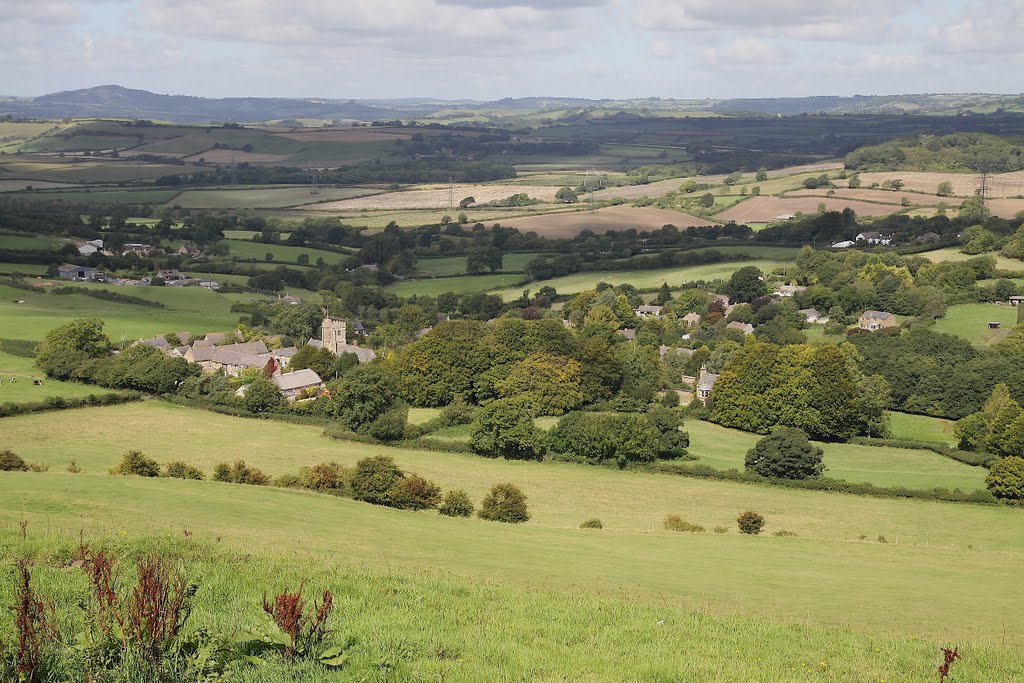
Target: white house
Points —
{"points": [[874, 238], [649, 311], [811, 315]]}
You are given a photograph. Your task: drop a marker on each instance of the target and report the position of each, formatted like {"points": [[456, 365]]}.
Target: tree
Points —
{"points": [[12, 462], [505, 503], [854, 182], [144, 368], [1006, 478], [483, 259], [762, 175], [750, 522], [465, 202], [642, 373], [746, 284], [298, 321], [977, 240], [707, 200], [134, 463], [362, 395], [262, 396], [376, 480], [456, 504], [413, 492], [566, 196], [945, 189], [786, 454], [505, 428], [321, 361], [66, 347], [549, 382]]}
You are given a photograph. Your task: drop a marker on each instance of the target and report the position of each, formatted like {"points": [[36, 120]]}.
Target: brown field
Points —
{"points": [[964, 184], [350, 134], [437, 197], [1006, 208], [603, 220], [760, 209], [226, 156], [880, 196]]}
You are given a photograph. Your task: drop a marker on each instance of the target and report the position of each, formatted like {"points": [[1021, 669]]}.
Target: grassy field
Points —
{"points": [[456, 265], [31, 242], [967, 553], [725, 449], [970, 321], [188, 309], [954, 254], [459, 285], [23, 370], [570, 284], [264, 198], [23, 268], [246, 249], [147, 196], [921, 428]]}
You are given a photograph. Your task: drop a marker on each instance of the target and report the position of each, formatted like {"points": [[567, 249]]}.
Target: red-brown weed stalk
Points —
{"points": [[288, 612]]}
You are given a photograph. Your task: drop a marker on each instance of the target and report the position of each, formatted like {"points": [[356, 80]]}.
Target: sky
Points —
{"points": [[490, 49]]}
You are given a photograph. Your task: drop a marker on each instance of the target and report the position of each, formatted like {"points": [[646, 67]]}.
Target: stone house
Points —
{"points": [[745, 328], [692, 319], [705, 383], [811, 315], [291, 384], [876, 320]]}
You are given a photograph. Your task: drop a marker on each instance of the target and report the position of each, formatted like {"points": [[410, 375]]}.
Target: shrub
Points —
{"points": [[1006, 478], [505, 428], [390, 426], [413, 492], [134, 463], [720, 530], [38, 467], [750, 523], [456, 504], [12, 462], [239, 473], [73, 467], [183, 470], [782, 533], [592, 523], [327, 476], [456, 413], [376, 479], [677, 523], [289, 481], [882, 539], [787, 454], [505, 503]]}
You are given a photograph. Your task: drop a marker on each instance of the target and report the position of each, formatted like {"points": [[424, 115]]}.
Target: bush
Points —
{"points": [[720, 530], [456, 504], [1006, 478], [376, 479], [505, 503], [782, 533], [505, 428], [456, 413], [750, 523], [289, 481], [12, 462], [787, 454], [390, 426], [134, 463], [73, 467], [239, 473], [413, 492], [592, 523], [183, 470], [327, 476], [677, 523]]}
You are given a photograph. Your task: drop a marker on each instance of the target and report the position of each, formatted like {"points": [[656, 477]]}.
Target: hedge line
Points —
{"points": [[236, 411], [60, 403], [109, 296], [966, 457], [824, 484]]}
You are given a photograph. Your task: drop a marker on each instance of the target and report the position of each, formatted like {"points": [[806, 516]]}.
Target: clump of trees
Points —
{"points": [[786, 454], [997, 428], [380, 481], [1006, 478], [620, 438]]}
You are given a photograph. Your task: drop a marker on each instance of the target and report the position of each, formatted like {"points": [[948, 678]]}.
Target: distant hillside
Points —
{"points": [[118, 102], [960, 152]]}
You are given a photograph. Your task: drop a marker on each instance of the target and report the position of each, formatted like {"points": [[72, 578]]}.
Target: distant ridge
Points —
{"points": [[120, 102]]}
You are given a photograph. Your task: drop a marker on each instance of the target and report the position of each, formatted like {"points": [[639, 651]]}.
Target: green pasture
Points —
{"points": [[724, 449], [642, 279], [102, 196], [833, 574], [970, 321], [23, 268], [270, 197], [420, 597], [188, 309], [456, 265], [23, 370], [31, 242], [460, 285], [954, 254], [921, 428], [247, 249]]}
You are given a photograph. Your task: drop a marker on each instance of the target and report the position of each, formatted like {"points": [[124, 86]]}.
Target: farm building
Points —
{"points": [[649, 311], [136, 248], [874, 238], [72, 272], [90, 247], [1016, 300], [845, 244], [291, 384], [284, 356], [789, 290], [876, 320]]}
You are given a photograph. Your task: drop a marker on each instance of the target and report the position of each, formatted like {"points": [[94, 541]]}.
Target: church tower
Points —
{"points": [[334, 335]]}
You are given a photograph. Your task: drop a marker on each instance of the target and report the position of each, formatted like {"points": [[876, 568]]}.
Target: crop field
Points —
{"points": [[954, 254], [764, 208], [922, 428], [188, 309], [246, 249], [1006, 208], [437, 197], [269, 197], [970, 321], [456, 265], [105, 196], [15, 185], [932, 548], [880, 196], [964, 184], [231, 156], [572, 223], [642, 279], [725, 449], [23, 268], [347, 134]]}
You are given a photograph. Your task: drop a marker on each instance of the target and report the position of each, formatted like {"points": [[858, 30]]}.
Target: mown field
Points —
{"points": [[269, 197], [456, 265], [247, 249], [23, 371], [921, 428], [835, 589], [970, 321], [188, 309], [459, 285], [954, 254], [31, 242]]}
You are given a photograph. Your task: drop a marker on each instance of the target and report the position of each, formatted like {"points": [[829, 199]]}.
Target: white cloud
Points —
{"points": [[981, 31], [662, 48], [746, 52]]}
